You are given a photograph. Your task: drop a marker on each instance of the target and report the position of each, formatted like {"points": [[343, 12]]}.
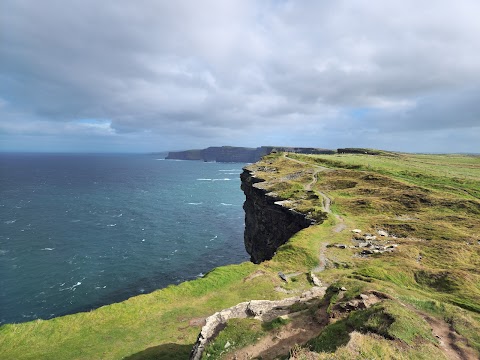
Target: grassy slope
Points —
{"points": [[430, 202]]}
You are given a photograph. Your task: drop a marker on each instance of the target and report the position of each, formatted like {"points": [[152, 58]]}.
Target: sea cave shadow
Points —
{"points": [[163, 352]]}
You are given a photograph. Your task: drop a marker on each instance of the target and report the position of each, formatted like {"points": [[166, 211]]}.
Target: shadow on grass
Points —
{"points": [[163, 352]]}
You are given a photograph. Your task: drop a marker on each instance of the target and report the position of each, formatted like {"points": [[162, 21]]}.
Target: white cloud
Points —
{"points": [[215, 71]]}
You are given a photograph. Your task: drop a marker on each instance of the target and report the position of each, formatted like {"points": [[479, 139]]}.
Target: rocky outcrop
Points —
{"points": [[264, 310], [268, 223]]}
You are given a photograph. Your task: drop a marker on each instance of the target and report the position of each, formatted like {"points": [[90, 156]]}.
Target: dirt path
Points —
{"points": [[301, 329], [326, 204], [308, 187], [452, 343]]}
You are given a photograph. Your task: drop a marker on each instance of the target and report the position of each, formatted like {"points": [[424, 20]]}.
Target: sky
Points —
{"points": [[153, 75]]}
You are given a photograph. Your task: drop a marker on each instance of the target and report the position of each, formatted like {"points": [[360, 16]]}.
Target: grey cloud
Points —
{"points": [[216, 71]]}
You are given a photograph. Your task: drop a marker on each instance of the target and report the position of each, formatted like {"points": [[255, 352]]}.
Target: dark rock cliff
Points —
{"points": [[268, 224], [238, 154]]}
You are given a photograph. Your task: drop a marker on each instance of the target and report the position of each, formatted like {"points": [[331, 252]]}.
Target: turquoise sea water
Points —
{"points": [[81, 231]]}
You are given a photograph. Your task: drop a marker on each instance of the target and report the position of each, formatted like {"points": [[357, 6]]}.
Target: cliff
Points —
{"points": [[238, 154], [268, 224]]}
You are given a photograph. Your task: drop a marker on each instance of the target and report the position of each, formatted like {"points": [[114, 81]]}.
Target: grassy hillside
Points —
{"points": [[428, 208]]}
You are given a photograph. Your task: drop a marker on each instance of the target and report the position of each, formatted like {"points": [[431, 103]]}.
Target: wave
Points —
{"points": [[204, 179], [224, 204], [192, 203], [230, 170], [47, 249], [10, 221], [224, 179], [111, 225], [71, 287]]}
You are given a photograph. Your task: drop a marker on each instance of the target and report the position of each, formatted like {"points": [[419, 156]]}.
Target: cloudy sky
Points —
{"points": [[152, 75]]}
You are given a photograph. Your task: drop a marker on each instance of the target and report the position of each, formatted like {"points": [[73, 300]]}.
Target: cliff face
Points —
{"points": [[268, 225], [220, 154]]}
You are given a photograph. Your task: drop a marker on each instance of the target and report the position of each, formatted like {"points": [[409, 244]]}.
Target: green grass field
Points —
{"points": [[430, 203]]}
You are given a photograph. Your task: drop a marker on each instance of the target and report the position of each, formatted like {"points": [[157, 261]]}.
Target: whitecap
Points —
{"points": [[3, 252], [229, 170], [111, 225], [47, 249], [159, 159], [224, 204], [214, 238], [10, 221], [201, 275], [72, 287], [224, 179], [204, 179], [75, 221], [192, 203]]}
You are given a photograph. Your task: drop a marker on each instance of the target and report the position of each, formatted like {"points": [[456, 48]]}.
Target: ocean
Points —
{"points": [[81, 231]]}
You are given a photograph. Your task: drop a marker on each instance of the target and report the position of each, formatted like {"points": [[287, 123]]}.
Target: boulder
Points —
{"points": [[315, 280]]}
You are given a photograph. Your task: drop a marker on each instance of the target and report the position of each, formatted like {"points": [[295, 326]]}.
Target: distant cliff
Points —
{"points": [[238, 154]]}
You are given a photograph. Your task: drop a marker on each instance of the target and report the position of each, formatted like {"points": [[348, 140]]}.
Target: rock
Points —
{"points": [[363, 297], [343, 288], [341, 246], [227, 345], [382, 233], [363, 244], [357, 231], [282, 276], [265, 310], [370, 237], [367, 252], [391, 246], [315, 280]]}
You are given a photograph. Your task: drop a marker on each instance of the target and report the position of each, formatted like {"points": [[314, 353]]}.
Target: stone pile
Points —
{"points": [[370, 243]]}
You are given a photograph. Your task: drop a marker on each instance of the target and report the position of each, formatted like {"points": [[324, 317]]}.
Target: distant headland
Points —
{"points": [[239, 154]]}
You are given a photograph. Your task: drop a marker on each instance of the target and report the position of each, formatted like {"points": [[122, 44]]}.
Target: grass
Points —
{"points": [[237, 334], [429, 202]]}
